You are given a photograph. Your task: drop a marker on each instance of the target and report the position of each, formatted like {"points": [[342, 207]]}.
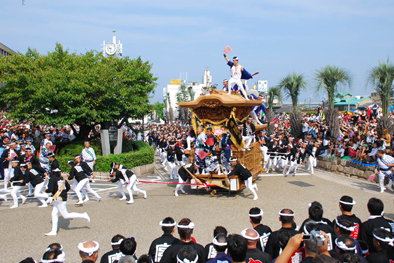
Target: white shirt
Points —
{"points": [[387, 159], [88, 154], [236, 72], [305, 127]]}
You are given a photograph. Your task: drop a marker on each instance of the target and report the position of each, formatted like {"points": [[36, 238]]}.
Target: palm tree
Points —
{"points": [[191, 92], [381, 77], [292, 85], [272, 93], [329, 78], [170, 112], [182, 96]]}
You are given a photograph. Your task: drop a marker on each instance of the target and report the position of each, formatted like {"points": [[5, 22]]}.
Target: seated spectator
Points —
{"points": [[88, 251], [115, 253]]}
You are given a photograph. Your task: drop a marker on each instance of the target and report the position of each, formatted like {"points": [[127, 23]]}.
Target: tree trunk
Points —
{"points": [[83, 132], [296, 124], [385, 123], [270, 117], [333, 123]]}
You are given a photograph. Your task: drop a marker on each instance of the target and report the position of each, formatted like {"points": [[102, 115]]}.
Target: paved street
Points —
{"points": [[23, 228]]}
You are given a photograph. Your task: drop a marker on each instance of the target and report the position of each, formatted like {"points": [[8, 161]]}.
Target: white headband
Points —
{"points": [[257, 215], [351, 228], [386, 240], [60, 258], [167, 224], [243, 233], [185, 260], [89, 250], [117, 243], [190, 225], [284, 214], [343, 246], [347, 203], [217, 243]]}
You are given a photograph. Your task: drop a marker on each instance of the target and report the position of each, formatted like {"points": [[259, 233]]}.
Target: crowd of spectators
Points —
{"points": [[318, 239]]}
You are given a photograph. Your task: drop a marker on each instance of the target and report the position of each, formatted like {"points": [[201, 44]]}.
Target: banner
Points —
{"points": [[196, 122], [176, 82], [236, 136]]}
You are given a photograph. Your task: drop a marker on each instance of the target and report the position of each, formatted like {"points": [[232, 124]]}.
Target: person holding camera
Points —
{"points": [[312, 250]]}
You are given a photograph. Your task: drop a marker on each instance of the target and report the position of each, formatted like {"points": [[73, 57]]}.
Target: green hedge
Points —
{"points": [[311, 112], [142, 154], [75, 147]]}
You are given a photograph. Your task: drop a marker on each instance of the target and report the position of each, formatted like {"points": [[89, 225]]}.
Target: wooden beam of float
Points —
{"points": [[216, 108]]}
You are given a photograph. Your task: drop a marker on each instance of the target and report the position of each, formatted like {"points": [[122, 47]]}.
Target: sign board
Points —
{"points": [[176, 82], [262, 86], [113, 134]]}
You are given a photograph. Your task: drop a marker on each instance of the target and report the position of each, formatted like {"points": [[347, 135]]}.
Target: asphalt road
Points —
{"points": [[23, 228]]}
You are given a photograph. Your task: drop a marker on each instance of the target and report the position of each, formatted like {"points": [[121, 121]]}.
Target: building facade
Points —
{"points": [[5, 51], [174, 88]]}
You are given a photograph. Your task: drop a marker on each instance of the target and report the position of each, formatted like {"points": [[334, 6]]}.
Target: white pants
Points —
{"points": [[164, 158], [189, 141], [312, 163], [173, 171], [8, 174], [271, 163], [293, 167], [325, 143], [239, 84], [180, 186], [130, 186], [84, 183], [247, 140], [60, 206], [15, 194], [287, 166], [30, 187], [251, 187], [39, 192], [253, 114], [83, 191], [185, 160], [264, 150], [381, 181], [282, 163]]}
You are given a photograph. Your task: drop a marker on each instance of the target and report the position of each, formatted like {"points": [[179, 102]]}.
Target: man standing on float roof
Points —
{"points": [[237, 73]]}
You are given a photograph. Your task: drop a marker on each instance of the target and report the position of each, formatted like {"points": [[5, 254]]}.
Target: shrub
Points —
{"points": [[143, 154], [75, 147], [127, 146], [311, 112]]}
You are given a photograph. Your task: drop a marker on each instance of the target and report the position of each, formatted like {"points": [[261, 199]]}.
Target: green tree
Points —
{"points": [[329, 78], [67, 88], [381, 77], [170, 111], [184, 94], [272, 93], [191, 92], [292, 85], [159, 108]]}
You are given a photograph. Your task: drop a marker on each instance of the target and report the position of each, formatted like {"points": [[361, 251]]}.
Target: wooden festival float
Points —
{"points": [[218, 108]]}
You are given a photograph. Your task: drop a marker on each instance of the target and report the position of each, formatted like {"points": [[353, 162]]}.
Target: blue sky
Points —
{"points": [[272, 37]]}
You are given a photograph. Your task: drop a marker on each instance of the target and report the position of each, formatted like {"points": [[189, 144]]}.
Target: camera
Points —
{"points": [[317, 238]]}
